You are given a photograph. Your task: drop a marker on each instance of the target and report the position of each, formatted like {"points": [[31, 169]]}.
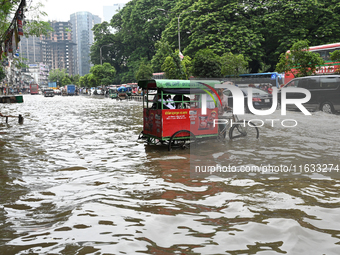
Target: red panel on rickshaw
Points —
{"points": [[191, 120], [165, 123], [152, 122], [175, 120], [203, 124]]}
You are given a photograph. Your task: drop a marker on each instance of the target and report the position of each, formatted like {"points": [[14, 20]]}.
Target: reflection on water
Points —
{"points": [[75, 180]]}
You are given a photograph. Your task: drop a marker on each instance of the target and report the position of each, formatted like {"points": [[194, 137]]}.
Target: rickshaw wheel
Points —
{"points": [[248, 130], [153, 141], [180, 139], [141, 135]]}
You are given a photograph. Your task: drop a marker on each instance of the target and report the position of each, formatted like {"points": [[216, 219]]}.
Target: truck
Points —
{"points": [[52, 85], [71, 89]]}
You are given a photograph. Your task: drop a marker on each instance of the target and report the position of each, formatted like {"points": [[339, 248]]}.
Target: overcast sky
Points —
{"points": [[60, 10]]}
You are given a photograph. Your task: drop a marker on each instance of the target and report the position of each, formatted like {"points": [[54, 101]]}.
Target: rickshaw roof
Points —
{"points": [[176, 84]]}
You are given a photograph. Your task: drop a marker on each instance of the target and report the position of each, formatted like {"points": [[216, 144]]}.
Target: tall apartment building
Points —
{"points": [[54, 50], [30, 49], [83, 38], [57, 47]]}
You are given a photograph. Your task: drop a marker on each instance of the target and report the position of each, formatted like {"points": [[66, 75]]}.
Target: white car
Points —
{"points": [[57, 92]]}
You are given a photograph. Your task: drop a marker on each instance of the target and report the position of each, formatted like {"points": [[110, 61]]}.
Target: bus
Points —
{"points": [[158, 76], [34, 89], [273, 79], [324, 50]]}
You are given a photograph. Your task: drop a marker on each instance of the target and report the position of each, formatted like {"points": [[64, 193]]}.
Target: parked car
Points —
{"points": [[324, 89], [57, 92], [261, 99], [48, 93]]}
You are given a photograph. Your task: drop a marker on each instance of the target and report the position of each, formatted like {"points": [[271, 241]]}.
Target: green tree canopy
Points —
{"points": [[138, 26], [75, 79], [163, 50], [144, 71], [33, 26], [2, 74], [299, 58], [103, 74], [233, 64], [57, 75], [174, 68], [66, 80], [259, 30], [187, 66], [90, 80], [206, 64], [335, 56], [85, 81]]}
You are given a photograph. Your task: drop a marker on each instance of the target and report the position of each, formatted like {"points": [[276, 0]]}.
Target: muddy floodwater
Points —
{"points": [[75, 179]]}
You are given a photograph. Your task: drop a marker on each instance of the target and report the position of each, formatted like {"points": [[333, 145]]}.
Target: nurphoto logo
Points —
{"points": [[238, 100]]}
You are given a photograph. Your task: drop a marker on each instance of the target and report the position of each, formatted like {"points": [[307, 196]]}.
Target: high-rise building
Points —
{"points": [[82, 36], [44, 53], [30, 49], [57, 47]]}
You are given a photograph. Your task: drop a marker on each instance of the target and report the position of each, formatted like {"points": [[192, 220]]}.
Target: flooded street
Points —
{"points": [[76, 180]]}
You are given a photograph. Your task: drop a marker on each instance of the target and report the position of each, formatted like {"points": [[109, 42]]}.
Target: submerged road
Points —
{"points": [[74, 179]]}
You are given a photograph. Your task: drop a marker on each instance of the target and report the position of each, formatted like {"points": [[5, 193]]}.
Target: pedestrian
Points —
{"points": [[270, 90]]}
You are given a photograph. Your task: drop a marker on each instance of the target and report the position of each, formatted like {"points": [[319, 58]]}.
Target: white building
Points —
{"points": [[82, 35]]}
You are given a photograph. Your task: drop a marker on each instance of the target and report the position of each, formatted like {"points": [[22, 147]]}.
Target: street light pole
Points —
{"points": [[179, 36], [179, 30], [100, 50]]}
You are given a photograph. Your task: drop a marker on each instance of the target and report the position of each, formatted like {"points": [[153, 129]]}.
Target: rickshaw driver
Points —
{"points": [[222, 108], [224, 100]]}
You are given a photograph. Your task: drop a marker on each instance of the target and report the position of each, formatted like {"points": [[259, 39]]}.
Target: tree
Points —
{"points": [[85, 81], [138, 26], [163, 50], [173, 67], [233, 64], [103, 74], [335, 56], [57, 75], [66, 80], [75, 79], [144, 71], [32, 26], [187, 66], [299, 58], [91, 80], [2, 74], [259, 30], [222, 26], [206, 64]]}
